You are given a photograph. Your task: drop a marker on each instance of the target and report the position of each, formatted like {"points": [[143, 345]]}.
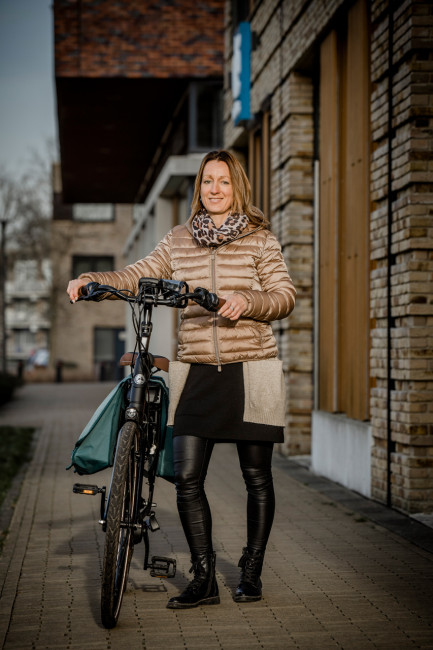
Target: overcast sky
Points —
{"points": [[27, 103]]}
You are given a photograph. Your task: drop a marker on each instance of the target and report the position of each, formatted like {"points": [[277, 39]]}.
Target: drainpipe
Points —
{"points": [[389, 445]]}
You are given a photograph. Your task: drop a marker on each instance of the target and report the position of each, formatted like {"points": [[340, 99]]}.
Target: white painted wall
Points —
{"points": [[341, 450]]}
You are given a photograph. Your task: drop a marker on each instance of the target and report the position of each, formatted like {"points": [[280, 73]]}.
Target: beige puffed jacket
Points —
{"points": [[251, 265]]}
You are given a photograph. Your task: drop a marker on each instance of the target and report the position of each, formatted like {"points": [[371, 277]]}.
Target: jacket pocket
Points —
{"points": [[265, 392], [177, 376]]}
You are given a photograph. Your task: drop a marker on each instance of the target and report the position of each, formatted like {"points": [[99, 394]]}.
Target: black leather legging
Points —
{"points": [[191, 460]]}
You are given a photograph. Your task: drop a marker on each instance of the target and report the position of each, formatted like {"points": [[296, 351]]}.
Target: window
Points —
{"points": [[25, 271], [109, 347], [22, 310], [23, 340], [85, 263], [205, 116], [259, 162], [93, 212], [241, 10]]}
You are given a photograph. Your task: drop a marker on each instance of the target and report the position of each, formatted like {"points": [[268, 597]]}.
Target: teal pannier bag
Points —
{"points": [[94, 449], [165, 468]]}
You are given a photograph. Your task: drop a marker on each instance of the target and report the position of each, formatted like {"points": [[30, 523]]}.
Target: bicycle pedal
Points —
{"points": [[153, 522], [83, 488], [162, 567]]}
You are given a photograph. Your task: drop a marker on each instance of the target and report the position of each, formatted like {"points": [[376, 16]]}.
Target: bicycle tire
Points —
{"points": [[119, 542]]}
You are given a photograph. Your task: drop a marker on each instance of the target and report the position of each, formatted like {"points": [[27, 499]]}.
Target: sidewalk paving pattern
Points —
{"points": [[333, 578]]}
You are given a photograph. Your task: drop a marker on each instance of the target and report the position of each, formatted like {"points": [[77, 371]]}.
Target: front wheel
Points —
{"points": [[120, 521]]}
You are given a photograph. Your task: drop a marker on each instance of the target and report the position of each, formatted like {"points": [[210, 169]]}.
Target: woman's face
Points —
{"points": [[216, 190]]}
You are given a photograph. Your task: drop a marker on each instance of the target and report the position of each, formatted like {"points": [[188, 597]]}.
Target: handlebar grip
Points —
{"points": [[206, 299], [89, 288]]}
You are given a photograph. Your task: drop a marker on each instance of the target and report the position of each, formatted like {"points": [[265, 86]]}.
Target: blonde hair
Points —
{"points": [[241, 188]]}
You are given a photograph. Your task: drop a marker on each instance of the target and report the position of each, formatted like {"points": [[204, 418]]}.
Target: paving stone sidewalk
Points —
{"points": [[334, 577]]}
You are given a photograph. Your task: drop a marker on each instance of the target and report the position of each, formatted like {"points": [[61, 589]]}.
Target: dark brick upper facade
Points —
{"points": [[138, 38]]}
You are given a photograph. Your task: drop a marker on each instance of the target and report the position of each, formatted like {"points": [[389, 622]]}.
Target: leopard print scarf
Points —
{"points": [[206, 233]]}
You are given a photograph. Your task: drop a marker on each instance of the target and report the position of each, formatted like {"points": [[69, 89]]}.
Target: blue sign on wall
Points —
{"points": [[241, 69]]}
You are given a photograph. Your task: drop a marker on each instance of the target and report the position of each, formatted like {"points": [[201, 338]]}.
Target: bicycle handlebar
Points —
{"points": [[171, 293]]}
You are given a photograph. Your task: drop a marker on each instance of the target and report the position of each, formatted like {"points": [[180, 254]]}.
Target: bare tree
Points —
{"points": [[8, 196], [8, 212], [28, 198], [25, 216]]}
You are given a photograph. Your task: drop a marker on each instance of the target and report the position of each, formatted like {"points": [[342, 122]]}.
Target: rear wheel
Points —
{"points": [[120, 521]]}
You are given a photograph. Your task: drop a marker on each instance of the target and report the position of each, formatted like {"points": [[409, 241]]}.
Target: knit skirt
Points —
{"points": [[212, 405]]}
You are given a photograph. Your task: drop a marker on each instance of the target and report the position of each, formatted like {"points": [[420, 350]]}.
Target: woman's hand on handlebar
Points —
{"points": [[74, 289], [233, 307]]}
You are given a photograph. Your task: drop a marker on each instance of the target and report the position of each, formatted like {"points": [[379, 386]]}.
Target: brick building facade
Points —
{"points": [[338, 144], [87, 339], [138, 38]]}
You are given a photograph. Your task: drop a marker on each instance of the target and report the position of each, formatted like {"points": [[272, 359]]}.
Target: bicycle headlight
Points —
{"points": [[131, 413]]}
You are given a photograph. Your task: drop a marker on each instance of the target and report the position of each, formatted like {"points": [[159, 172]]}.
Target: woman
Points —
{"points": [[227, 384]]}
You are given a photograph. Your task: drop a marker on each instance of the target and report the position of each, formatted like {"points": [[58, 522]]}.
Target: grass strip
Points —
{"points": [[15, 451]]}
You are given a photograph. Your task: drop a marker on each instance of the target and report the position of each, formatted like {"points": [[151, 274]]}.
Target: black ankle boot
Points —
{"points": [[250, 586], [203, 589]]}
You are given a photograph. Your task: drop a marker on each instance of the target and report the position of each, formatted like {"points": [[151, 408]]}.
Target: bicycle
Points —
{"points": [[126, 515]]}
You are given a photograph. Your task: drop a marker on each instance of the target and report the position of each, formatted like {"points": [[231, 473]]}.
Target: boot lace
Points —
{"points": [[198, 580], [250, 569]]}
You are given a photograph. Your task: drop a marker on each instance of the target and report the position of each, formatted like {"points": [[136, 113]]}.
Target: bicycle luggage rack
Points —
{"points": [[84, 488]]}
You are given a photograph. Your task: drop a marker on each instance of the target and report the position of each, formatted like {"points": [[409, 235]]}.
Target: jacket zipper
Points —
{"points": [[214, 324]]}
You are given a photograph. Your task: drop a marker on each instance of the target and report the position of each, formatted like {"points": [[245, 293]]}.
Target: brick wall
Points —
{"points": [[292, 222], [138, 38], [410, 73], [285, 32]]}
